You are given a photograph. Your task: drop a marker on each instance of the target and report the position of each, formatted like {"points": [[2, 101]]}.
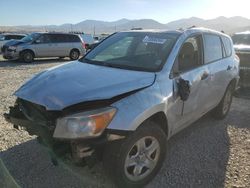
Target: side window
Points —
{"points": [[190, 55], [212, 48], [44, 39], [19, 37], [8, 37], [227, 45], [56, 38]]}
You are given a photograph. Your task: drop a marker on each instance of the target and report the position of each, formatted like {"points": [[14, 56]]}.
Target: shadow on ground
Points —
{"points": [[197, 157]]}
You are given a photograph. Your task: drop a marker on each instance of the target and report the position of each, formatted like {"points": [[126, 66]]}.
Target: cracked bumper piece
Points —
{"points": [[77, 150]]}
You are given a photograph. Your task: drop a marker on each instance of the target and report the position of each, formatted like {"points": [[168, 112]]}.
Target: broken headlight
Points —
{"points": [[12, 48], [85, 124]]}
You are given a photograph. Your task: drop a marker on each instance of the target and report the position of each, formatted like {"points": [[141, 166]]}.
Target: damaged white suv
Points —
{"points": [[127, 96]]}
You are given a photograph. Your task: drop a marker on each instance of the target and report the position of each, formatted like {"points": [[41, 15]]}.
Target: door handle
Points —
{"points": [[229, 67], [204, 76]]}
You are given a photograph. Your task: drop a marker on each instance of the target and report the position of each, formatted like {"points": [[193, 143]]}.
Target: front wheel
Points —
{"points": [[27, 56], [223, 107], [136, 160]]}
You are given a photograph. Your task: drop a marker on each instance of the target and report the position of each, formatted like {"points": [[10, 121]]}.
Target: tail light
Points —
{"points": [[83, 45], [237, 57]]}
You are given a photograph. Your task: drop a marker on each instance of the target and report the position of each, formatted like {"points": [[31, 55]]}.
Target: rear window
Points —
{"points": [[227, 45], [212, 48]]}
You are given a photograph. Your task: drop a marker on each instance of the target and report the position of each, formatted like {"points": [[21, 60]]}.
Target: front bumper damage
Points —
{"points": [[37, 121]]}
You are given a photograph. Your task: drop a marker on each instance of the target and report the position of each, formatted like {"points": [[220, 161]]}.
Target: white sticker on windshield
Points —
{"points": [[148, 39]]}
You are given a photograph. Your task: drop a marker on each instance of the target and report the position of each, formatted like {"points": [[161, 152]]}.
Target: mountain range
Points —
{"points": [[228, 25]]}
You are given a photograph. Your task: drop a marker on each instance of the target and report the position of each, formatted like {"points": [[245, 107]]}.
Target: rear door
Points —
{"points": [[61, 45], [189, 66], [219, 63]]}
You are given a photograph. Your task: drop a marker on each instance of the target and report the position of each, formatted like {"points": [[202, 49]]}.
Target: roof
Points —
{"points": [[181, 31]]}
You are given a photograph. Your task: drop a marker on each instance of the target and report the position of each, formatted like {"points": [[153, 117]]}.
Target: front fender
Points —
{"points": [[135, 109]]}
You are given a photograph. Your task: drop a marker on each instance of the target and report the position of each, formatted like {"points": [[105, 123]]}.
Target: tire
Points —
{"points": [[221, 111], [126, 166], [27, 56], [74, 54]]}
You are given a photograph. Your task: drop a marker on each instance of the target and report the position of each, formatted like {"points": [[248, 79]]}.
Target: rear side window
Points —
{"points": [[17, 37], [62, 38], [57, 38], [212, 48], [227, 45], [8, 37]]}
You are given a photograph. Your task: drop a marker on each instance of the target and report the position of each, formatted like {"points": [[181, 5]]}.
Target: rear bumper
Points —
{"points": [[244, 77]]}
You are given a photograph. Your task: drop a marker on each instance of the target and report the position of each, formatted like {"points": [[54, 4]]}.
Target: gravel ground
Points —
{"points": [[209, 153]]}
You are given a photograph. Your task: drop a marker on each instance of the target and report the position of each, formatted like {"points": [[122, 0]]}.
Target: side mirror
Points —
{"points": [[183, 89], [37, 41]]}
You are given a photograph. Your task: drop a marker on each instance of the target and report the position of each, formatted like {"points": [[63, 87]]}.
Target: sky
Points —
{"points": [[56, 12]]}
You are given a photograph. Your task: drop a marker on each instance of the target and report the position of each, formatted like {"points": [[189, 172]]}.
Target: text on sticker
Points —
{"points": [[148, 39]]}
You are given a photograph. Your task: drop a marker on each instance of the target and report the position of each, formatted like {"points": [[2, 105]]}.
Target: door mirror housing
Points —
{"points": [[37, 41], [183, 89]]}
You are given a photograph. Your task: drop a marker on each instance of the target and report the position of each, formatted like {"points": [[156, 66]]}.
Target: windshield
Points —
{"points": [[143, 51], [241, 39], [31, 37]]}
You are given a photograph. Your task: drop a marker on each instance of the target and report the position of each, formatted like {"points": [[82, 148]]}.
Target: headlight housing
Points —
{"points": [[12, 47], [85, 124]]}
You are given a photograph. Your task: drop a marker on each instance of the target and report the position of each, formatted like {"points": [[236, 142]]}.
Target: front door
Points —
{"points": [[189, 66], [44, 47]]}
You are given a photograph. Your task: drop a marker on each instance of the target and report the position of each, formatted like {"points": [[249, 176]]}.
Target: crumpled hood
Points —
{"points": [[242, 48], [13, 43], [76, 82]]}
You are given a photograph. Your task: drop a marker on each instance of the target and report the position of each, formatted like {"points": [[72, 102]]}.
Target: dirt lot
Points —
{"points": [[209, 153]]}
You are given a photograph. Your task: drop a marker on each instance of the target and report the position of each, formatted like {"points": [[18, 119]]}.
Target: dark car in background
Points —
{"points": [[6, 37], [242, 48], [37, 45]]}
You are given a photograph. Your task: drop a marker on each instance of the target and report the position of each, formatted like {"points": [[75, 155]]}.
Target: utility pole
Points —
{"points": [[94, 30]]}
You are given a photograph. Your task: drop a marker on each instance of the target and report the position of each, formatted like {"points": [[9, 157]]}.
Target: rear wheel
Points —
{"points": [[223, 107], [74, 54], [27, 56], [136, 160]]}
